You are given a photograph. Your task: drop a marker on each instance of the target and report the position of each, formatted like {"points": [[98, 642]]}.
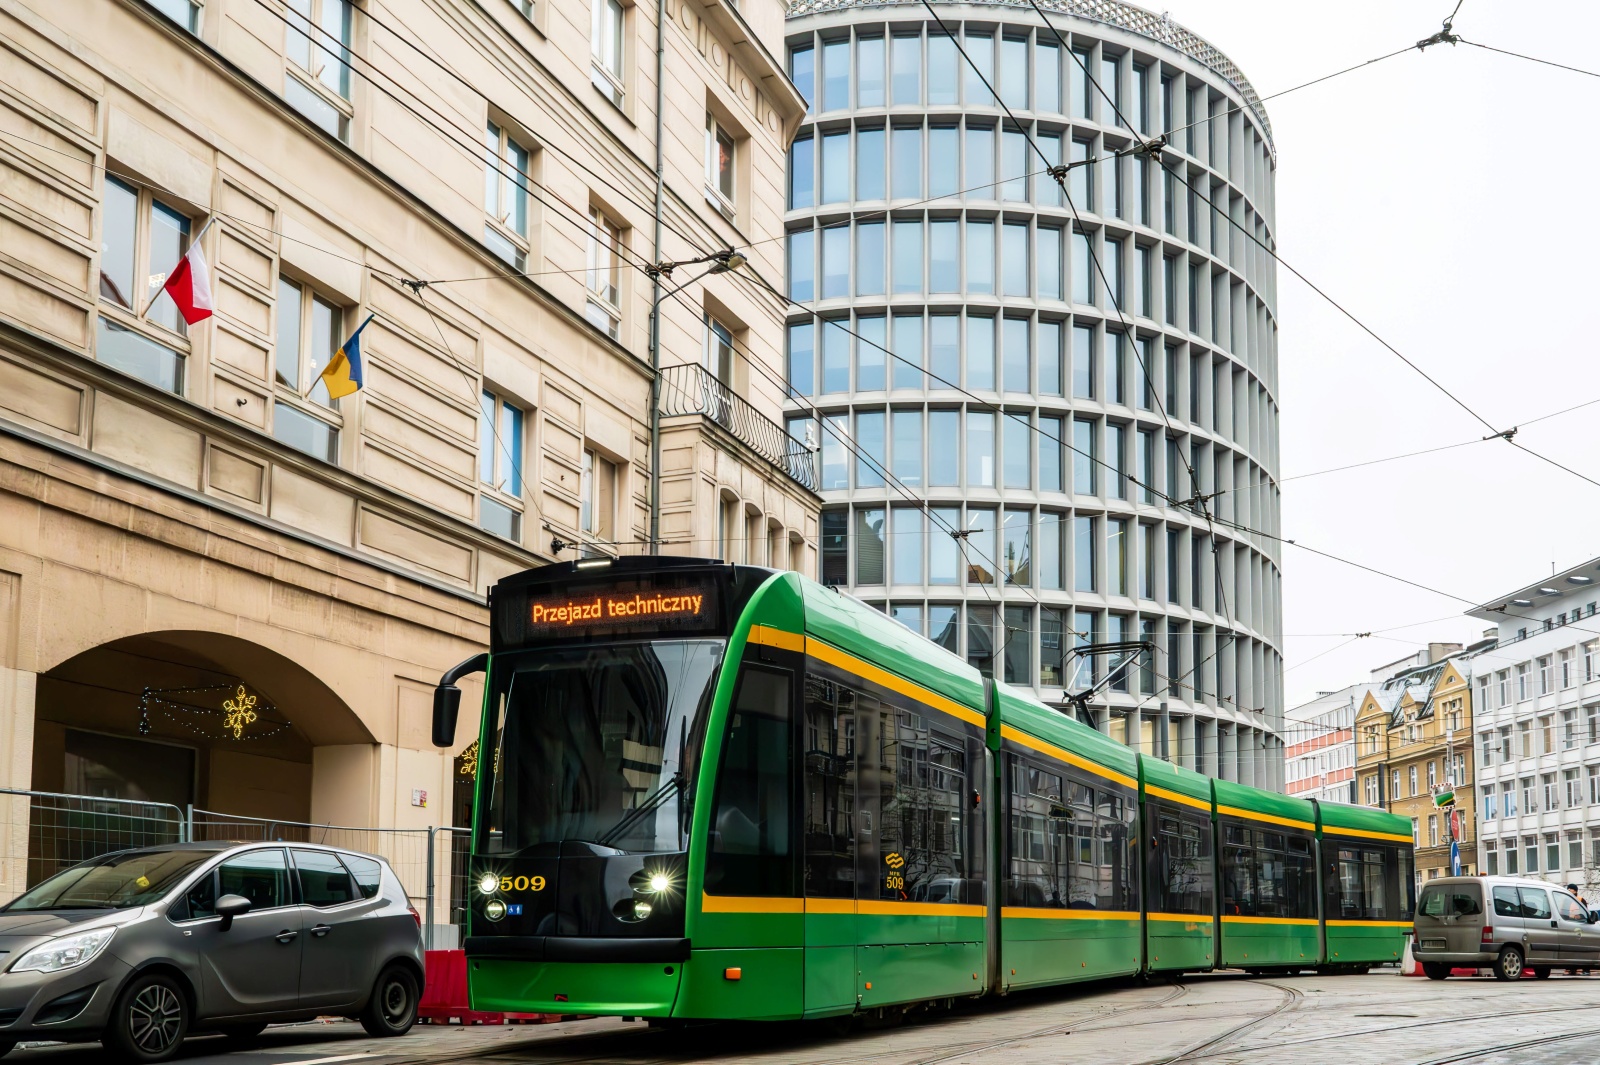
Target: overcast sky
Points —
{"points": [[1447, 199]]}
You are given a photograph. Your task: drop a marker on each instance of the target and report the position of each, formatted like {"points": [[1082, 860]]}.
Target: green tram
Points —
{"points": [[714, 791]]}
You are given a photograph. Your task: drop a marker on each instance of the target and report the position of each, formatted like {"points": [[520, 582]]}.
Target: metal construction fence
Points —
{"points": [[42, 833]]}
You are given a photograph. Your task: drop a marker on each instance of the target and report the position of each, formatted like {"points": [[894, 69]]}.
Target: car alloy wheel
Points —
{"points": [[155, 1019]]}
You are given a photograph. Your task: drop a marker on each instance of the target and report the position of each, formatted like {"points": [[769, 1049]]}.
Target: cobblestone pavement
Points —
{"points": [[1380, 1019]]}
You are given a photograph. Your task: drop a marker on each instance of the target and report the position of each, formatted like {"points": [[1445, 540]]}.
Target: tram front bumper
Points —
{"points": [[560, 974]]}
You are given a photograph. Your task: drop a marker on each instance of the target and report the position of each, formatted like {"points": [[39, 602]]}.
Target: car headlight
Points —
{"points": [[64, 952]]}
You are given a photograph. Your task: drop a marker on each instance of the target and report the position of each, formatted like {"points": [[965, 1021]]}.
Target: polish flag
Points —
{"points": [[189, 285]]}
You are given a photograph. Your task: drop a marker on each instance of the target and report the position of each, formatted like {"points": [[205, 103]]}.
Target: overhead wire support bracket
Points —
{"points": [[1445, 35], [416, 287], [1508, 435]]}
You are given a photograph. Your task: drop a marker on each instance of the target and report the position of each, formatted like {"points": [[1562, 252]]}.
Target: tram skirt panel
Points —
{"points": [[1042, 946], [1366, 942], [1268, 943], [1180, 942]]}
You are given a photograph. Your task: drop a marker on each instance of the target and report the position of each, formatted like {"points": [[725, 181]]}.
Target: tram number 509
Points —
{"points": [[522, 883], [894, 882]]}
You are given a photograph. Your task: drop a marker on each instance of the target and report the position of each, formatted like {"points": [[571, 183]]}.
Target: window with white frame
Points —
{"points": [[721, 166], [1530, 804], [1522, 681], [500, 466], [1433, 775], [1569, 729], [1589, 659], [603, 308], [1491, 858], [1567, 678], [141, 240], [310, 330], [597, 497], [1573, 787], [317, 82], [1394, 784], [1574, 850], [1483, 693], [1372, 789], [1546, 676], [1486, 802], [505, 195], [1458, 769], [185, 13], [1433, 830], [1593, 773], [1552, 799], [1502, 681], [608, 47], [1412, 778]]}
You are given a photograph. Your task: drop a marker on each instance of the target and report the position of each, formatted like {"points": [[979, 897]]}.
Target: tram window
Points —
{"points": [[1369, 883], [1267, 874], [1074, 854], [830, 788], [750, 851], [923, 853], [1180, 863]]}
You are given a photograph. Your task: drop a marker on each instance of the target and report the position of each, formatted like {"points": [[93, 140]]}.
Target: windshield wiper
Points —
{"points": [[651, 803]]}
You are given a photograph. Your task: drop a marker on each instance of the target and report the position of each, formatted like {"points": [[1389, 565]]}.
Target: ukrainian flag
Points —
{"points": [[343, 374]]}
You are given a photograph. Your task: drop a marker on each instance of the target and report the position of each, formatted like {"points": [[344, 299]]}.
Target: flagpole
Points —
{"points": [[192, 242]]}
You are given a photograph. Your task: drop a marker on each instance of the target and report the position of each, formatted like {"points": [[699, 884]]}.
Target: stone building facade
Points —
{"points": [[188, 521]]}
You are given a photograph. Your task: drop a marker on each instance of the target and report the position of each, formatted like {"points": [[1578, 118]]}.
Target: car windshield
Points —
{"points": [[112, 882], [595, 744]]}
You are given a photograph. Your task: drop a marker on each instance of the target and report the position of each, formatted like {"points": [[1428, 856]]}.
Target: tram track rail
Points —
{"points": [[1212, 1046], [1504, 1048]]}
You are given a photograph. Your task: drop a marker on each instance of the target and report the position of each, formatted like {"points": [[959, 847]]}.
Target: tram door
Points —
{"points": [[832, 823]]}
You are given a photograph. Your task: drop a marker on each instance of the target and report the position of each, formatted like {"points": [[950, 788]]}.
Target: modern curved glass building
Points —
{"points": [[1006, 486]]}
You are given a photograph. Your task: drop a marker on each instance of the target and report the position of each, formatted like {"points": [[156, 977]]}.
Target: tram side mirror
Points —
{"points": [[446, 708], [447, 699]]}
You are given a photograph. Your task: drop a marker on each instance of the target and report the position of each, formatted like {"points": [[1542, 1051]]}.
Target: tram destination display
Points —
{"points": [[659, 605]]}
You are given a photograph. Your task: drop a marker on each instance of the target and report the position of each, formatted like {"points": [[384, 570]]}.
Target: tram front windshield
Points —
{"points": [[593, 744]]}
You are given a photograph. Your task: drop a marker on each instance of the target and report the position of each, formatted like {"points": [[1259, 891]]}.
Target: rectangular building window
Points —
{"points": [[317, 42], [603, 308], [140, 331], [310, 330], [505, 196], [608, 46], [500, 427]]}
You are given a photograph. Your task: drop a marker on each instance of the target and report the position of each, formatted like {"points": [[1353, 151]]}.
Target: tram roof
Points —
{"points": [[1161, 774], [1362, 818], [1269, 803]]}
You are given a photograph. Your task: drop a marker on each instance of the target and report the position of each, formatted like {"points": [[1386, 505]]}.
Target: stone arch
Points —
{"points": [[95, 733]]}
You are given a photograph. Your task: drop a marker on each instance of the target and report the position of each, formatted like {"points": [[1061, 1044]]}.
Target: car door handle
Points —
{"points": [[286, 936], [322, 929], [1554, 925]]}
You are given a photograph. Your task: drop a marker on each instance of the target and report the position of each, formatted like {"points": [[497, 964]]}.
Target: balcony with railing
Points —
{"points": [[689, 388]]}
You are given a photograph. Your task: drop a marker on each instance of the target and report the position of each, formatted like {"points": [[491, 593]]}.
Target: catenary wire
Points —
{"points": [[1183, 179], [1529, 58]]}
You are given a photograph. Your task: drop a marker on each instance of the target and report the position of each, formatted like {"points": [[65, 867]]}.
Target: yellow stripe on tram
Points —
{"points": [[1173, 796], [771, 637], [1064, 755], [1369, 924], [1361, 833], [745, 904], [1051, 913], [867, 671], [1203, 919], [1287, 822], [1238, 919]]}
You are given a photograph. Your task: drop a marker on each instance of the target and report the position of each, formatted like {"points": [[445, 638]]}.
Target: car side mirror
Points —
{"points": [[447, 699], [231, 906]]}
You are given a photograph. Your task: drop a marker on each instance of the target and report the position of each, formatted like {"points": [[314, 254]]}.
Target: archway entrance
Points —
{"points": [[188, 718]]}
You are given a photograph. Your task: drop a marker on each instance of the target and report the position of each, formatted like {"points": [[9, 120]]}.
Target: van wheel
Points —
{"points": [[1509, 965], [1436, 970], [1542, 972]]}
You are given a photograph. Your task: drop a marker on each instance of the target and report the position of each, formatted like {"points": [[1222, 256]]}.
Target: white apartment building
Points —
{"points": [[1536, 708]]}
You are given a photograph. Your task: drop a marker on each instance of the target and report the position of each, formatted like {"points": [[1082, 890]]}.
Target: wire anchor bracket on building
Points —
{"points": [[416, 287]]}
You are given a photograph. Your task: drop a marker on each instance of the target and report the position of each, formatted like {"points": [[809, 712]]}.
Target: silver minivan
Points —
{"points": [[1504, 923]]}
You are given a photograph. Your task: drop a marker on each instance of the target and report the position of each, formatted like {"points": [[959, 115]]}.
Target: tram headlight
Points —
{"points": [[641, 910], [660, 882], [489, 884], [494, 909]]}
